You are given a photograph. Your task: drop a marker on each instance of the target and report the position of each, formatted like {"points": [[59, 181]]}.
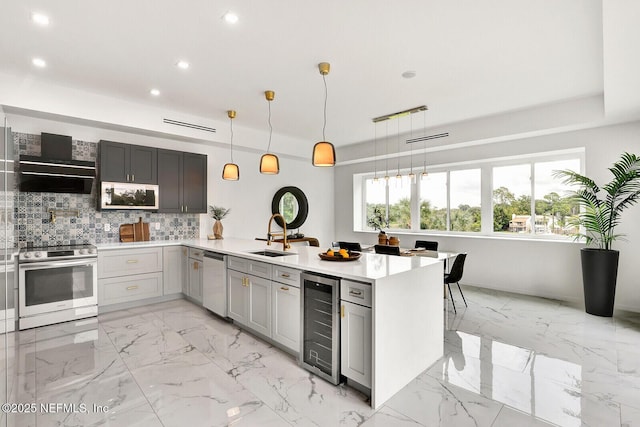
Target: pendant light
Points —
{"points": [[324, 154], [269, 164], [231, 171]]}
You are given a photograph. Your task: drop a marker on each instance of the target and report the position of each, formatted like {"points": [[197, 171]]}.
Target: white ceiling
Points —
{"points": [[472, 58]]}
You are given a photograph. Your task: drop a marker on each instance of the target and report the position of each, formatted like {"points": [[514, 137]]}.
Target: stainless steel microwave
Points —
{"points": [[122, 195]]}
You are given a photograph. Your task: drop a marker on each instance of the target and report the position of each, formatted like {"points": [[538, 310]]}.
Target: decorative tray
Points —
{"points": [[352, 257]]}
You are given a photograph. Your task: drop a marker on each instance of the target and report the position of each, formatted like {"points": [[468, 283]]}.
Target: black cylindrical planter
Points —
{"points": [[599, 275]]}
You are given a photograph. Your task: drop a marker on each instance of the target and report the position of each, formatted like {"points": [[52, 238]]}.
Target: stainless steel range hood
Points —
{"points": [[55, 171]]}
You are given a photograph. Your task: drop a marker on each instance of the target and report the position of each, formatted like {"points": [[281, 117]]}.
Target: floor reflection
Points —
{"points": [[509, 360], [544, 358]]}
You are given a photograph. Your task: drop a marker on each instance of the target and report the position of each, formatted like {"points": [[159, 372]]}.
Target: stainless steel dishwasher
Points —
{"points": [[214, 283], [320, 340]]}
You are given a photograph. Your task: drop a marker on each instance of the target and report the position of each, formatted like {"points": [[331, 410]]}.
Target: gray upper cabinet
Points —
{"points": [[182, 179], [128, 163]]}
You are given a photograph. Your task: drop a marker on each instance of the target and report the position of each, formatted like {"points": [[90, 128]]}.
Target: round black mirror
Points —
{"points": [[291, 203]]}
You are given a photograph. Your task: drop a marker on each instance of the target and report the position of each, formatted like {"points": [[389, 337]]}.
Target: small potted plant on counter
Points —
{"points": [[377, 220], [599, 217], [218, 213]]}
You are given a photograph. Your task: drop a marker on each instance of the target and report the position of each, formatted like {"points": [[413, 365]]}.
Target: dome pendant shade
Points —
{"points": [[231, 172], [269, 164], [324, 154]]}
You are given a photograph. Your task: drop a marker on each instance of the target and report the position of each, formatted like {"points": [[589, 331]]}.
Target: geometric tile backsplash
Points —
{"points": [[33, 227]]}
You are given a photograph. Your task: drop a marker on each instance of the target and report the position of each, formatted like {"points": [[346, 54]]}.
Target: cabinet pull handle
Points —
{"points": [[355, 293], [132, 261], [342, 311], [284, 288], [186, 208], [195, 265], [133, 177], [131, 288], [127, 177], [181, 208], [284, 275]]}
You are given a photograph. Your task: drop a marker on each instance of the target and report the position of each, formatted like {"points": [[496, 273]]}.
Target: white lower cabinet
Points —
{"points": [[116, 290], [194, 275], [271, 308], [238, 295], [355, 331], [355, 342], [184, 253], [260, 305], [285, 315], [195, 280], [172, 276], [129, 275]]}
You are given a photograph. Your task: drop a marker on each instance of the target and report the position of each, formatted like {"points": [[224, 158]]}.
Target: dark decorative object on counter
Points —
{"points": [[598, 218]]}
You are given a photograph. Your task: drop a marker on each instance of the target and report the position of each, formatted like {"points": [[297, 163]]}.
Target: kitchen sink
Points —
{"points": [[270, 253]]}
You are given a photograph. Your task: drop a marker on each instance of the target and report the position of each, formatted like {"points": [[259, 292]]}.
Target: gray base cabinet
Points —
{"points": [[285, 307], [172, 270], [238, 296], [195, 274], [285, 324], [356, 334], [129, 275], [266, 299]]}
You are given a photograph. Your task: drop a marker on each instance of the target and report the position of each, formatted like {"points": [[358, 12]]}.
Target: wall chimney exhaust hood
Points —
{"points": [[55, 171]]}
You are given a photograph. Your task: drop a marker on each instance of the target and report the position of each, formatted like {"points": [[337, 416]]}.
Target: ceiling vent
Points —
{"points": [[427, 137], [188, 125]]}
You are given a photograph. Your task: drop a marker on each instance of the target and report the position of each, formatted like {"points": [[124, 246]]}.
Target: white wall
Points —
{"points": [[543, 268], [249, 198]]}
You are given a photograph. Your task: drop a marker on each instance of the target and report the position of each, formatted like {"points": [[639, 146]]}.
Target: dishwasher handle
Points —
{"points": [[214, 255]]}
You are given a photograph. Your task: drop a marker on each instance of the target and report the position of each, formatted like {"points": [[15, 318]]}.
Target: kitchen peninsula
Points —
{"points": [[406, 301]]}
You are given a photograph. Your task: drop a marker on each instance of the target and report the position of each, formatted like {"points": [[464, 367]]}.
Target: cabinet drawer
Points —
{"points": [[124, 262], [254, 268], [237, 264], [356, 292], [196, 254], [290, 276], [124, 289], [260, 269]]}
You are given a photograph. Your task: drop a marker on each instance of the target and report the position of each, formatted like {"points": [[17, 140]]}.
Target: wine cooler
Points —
{"points": [[320, 341]]}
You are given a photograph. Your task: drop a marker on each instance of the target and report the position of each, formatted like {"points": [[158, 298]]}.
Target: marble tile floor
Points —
{"points": [[510, 360]]}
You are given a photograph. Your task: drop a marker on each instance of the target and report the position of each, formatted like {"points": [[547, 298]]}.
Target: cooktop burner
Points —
{"points": [[41, 253]]}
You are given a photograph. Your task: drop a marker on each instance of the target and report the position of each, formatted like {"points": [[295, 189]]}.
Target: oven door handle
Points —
{"points": [[55, 264]]}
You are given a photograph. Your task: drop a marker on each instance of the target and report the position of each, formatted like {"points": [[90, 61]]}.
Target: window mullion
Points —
{"points": [[532, 178]]}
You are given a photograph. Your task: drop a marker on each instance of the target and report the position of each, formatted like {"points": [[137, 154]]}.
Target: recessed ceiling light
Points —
{"points": [[182, 64], [154, 92], [230, 17], [409, 74], [39, 62], [40, 19]]}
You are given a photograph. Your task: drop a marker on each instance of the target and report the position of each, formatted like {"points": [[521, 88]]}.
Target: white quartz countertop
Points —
{"points": [[369, 267]]}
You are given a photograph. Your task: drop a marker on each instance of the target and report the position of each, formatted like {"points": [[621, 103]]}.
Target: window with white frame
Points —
{"points": [[518, 196]]}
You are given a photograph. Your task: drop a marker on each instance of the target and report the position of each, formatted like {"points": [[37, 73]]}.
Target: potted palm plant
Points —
{"points": [[598, 217]]}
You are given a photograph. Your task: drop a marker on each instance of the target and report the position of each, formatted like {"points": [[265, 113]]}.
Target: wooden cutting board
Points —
{"points": [[137, 232]]}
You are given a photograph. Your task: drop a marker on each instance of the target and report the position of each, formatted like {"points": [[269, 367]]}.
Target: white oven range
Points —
{"points": [[57, 284]]}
